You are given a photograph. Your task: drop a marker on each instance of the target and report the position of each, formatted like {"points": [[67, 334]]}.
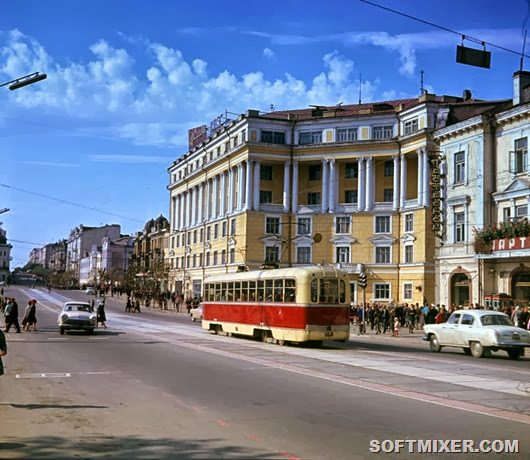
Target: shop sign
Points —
{"points": [[511, 244], [435, 161]]}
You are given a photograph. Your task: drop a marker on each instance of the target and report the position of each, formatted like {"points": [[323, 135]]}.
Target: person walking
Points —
{"points": [[11, 315], [100, 315], [397, 324], [30, 316], [3, 350]]}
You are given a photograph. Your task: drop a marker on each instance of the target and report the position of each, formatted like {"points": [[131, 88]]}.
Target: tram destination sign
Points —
{"points": [[435, 160]]}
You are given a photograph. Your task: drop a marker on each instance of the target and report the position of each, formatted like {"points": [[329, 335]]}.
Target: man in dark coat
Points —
{"points": [[3, 350], [11, 312]]}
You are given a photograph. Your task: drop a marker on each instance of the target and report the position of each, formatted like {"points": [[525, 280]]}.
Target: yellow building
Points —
{"points": [[346, 185]]}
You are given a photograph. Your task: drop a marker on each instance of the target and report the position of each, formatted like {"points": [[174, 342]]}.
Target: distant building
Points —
{"points": [[51, 256], [5, 255]]}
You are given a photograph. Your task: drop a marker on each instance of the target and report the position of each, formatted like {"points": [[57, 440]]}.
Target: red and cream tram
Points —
{"points": [[303, 304]]}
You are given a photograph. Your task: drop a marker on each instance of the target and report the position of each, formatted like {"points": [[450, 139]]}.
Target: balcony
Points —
{"points": [[270, 207]]}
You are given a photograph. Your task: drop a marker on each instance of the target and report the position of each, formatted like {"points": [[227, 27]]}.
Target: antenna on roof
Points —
{"points": [[360, 85], [422, 89]]}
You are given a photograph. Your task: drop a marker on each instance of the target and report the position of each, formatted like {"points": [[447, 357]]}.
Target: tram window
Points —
{"points": [[217, 291], [290, 290], [268, 290], [244, 290], [278, 290], [261, 291], [207, 292], [237, 291], [223, 291], [329, 291], [252, 291], [342, 291], [230, 291], [314, 291]]}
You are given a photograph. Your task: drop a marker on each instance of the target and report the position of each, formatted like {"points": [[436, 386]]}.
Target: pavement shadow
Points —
{"points": [[53, 406], [126, 447]]}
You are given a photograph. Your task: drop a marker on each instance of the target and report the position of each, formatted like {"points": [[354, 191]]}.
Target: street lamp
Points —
{"points": [[25, 80]]}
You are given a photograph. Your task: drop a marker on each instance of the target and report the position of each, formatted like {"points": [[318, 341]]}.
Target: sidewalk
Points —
{"points": [[372, 335]]}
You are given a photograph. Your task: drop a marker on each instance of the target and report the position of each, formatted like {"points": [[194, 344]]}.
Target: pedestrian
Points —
{"points": [[30, 316], [100, 315], [11, 315], [3, 350], [128, 305], [395, 332]]}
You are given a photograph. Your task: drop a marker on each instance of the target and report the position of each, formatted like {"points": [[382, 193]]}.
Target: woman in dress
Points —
{"points": [[101, 318], [30, 316]]}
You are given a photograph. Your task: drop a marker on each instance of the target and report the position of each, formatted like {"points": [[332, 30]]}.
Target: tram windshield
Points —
{"points": [[328, 290]]}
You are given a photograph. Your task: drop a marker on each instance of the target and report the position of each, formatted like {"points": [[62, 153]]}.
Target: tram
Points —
{"points": [[302, 304]]}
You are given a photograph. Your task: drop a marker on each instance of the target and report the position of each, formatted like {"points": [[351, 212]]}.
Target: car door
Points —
{"points": [[464, 330], [448, 330]]}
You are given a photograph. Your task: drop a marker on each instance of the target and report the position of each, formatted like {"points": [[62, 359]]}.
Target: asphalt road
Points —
{"points": [[155, 385]]}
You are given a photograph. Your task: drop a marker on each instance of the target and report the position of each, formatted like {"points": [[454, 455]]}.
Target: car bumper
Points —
{"points": [[79, 325]]}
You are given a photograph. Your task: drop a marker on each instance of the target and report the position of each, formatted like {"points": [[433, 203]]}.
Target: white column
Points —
{"points": [[361, 185], [256, 185], [403, 182], [295, 186], [395, 197], [240, 190], [426, 178], [420, 177], [286, 184], [369, 184], [174, 217], [188, 207], [325, 185], [201, 203], [222, 195], [230, 192], [332, 185], [214, 197], [193, 203], [207, 201], [248, 186], [182, 197]]}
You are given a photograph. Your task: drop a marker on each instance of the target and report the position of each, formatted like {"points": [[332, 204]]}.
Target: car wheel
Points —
{"points": [[90, 331], [467, 351], [477, 350], [515, 353], [61, 330], [434, 344]]}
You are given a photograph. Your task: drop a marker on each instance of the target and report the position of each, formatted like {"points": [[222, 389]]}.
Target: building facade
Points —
{"points": [[344, 185], [5, 255]]}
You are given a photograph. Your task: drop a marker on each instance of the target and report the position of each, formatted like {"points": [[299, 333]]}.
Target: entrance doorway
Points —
{"points": [[460, 289], [521, 287]]}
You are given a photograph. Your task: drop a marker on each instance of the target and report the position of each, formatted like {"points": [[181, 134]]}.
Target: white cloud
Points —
{"points": [[130, 159], [52, 164], [268, 53]]}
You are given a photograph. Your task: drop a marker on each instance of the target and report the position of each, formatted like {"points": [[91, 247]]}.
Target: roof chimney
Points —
{"points": [[521, 79]]}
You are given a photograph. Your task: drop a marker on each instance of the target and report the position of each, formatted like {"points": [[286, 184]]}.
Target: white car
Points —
{"points": [[478, 332], [196, 313], [90, 291], [76, 316]]}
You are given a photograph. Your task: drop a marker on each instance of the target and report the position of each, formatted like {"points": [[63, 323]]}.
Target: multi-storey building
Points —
{"points": [[484, 250], [343, 185], [51, 256], [81, 240], [5, 255]]}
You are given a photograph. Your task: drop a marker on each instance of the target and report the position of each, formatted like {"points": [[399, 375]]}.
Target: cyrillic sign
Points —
{"points": [[435, 161]]}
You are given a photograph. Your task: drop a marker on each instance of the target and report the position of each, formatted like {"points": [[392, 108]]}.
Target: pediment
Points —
{"points": [[343, 239], [273, 240], [518, 187], [303, 240], [518, 184], [382, 240], [408, 238]]}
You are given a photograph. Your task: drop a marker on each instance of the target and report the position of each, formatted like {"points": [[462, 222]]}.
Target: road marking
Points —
{"points": [[57, 338], [223, 423], [99, 338], [43, 375]]}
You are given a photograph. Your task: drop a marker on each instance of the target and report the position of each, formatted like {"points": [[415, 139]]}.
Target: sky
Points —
{"points": [[127, 79]]}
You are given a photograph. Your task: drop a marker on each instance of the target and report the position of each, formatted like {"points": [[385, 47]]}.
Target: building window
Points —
{"points": [[188, 262], [342, 225], [176, 262], [409, 222], [200, 260], [382, 224], [207, 259], [407, 291], [208, 233], [265, 172], [223, 257], [265, 196], [351, 170], [383, 132], [215, 257], [388, 195], [409, 253], [342, 254], [460, 167], [232, 227], [382, 254], [459, 227], [410, 126], [223, 231], [521, 211], [272, 254], [189, 238], [311, 137], [216, 231], [520, 155], [194, 236], [201, 235], [304, 226], [389, 168], [506, 214], [350, 196], [177, 240], [273, 137], [382, 291], [313, 198], [232, 255], [315, 172], [303, 255], [227, 146], [272, 225], [346, 134], [194, 260], [182, 261]]}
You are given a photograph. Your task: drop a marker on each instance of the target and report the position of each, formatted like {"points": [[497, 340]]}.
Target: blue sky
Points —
{"points": [[126, 79]]}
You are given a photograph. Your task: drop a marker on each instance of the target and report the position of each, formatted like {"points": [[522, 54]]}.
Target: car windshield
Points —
{"points": [[496, 320], [77, 308]]}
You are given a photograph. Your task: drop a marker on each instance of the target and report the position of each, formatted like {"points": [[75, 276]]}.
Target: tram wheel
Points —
{"points": [[280, 342]]}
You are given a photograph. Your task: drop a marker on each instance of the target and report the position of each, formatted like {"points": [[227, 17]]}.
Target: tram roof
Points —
{"points": [[277, 273]]}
